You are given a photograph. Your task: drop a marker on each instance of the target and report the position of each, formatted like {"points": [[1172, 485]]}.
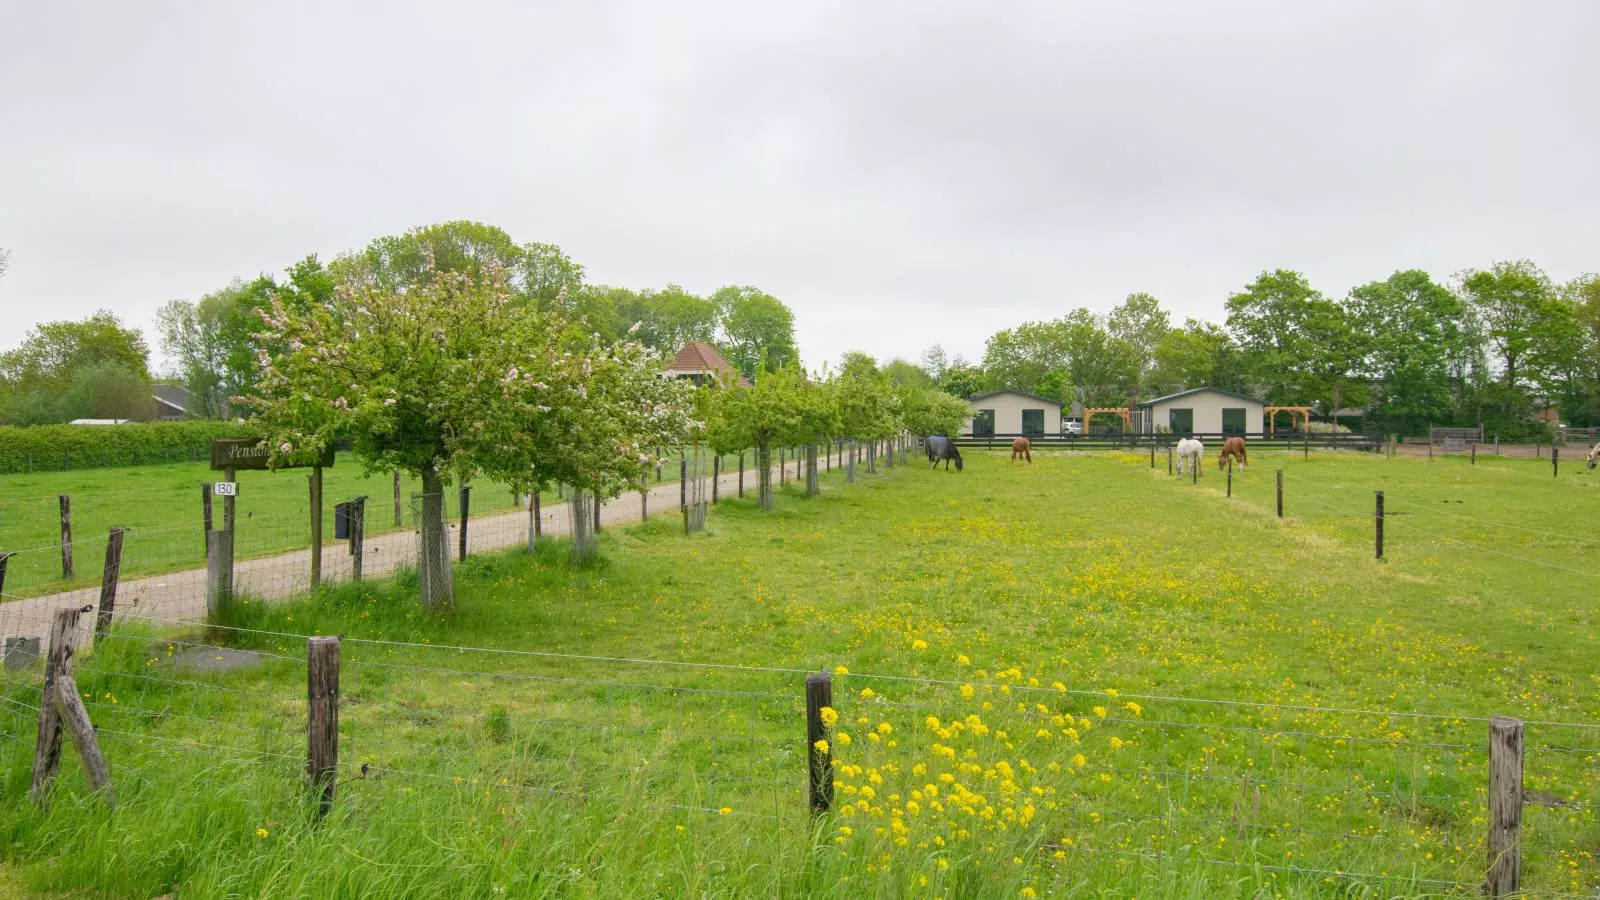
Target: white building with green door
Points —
{"points": [[1011, 412], [1205, 411]]}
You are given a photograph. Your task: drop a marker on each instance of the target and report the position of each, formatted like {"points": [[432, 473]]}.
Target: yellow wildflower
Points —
{"points": [[830, 716], [726, 810], [821, 745], [919, 644], [261, 832]]}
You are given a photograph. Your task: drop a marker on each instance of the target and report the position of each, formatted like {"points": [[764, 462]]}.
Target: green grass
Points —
{"points": [[605, 777]]}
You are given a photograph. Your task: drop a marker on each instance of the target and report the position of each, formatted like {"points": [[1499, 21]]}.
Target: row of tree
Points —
{"points": [[1494, 347], [213, 346]]}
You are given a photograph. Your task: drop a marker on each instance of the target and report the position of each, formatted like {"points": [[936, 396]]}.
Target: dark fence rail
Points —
{"points": [[1284, 440]]}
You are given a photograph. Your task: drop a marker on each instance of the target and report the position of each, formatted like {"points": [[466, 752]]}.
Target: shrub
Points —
{"points": [[33, 448]]}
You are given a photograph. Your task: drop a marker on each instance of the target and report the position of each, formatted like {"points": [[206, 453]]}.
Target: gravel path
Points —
{"points": [[181, 596]]}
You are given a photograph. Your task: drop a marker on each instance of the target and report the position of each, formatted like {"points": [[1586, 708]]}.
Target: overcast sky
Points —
{"points": [[899, 174]]}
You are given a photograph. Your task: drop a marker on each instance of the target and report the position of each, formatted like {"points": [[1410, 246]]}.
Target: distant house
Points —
{"points": [[172, 402], [1010, 412], [100, 422], [1204, 410], [700, 362]]}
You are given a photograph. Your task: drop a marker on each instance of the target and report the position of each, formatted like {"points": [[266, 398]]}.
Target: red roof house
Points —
{"points": [[700, 362]]}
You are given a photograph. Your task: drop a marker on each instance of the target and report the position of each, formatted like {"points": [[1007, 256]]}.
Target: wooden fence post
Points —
{"points": [[819, 694], [47, 747], [644, 498], [1378, 525], [1555, 461], [1230, 476], [315, 479], [229, 504], [397, 519], [538, 517], [466, 501], [219, 571], [1497, 445], [66, 536], [322, 720], [109, 576], [5, 562], [205, 505], [358, 537], [741, 474], [1169, 460], [598, 500], [1280, 493], [1474, 453], [1505, 807], [1152, 455]]}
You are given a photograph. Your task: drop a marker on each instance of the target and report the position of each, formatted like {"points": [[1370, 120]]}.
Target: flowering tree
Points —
{"points": [[781, 408], [454, 376]]}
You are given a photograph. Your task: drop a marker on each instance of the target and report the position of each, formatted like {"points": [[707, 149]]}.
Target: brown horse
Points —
{"points": [[1022, 447], [1233, 447]]}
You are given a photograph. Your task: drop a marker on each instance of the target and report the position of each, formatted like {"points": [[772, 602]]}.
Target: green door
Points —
{"points": [[1233, 422], [1181, 421], [983, 423], [1033, 422]]}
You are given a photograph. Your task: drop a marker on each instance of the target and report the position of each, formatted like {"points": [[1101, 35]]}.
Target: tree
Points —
{"points": [[755, 326], [108, 390], [1140, 323], [963, 380], [1582, 294], [1023, 356], [902, 373], [927, 411], [1519, 309], [782, 408], [535, 273], [935, 362], [1200, 354], [1333, 351], [1414, 329], [454, 376], [36, 375], [1268, 319], [671, 317]]}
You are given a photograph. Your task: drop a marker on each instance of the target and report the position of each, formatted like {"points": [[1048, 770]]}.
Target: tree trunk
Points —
{"points": [[433, 561], [1338, 394], [764, 475]]}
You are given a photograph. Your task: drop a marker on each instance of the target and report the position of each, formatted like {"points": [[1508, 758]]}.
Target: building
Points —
{"points": [[700, 362], [171, 402], [1204, 410], [1012, 412]]}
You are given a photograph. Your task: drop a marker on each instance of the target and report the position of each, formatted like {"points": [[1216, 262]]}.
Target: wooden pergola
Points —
{"points": [[1089, 414], [1296, 415]]}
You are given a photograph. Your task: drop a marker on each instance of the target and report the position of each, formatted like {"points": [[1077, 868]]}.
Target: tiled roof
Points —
{"points": [[699, 357]]}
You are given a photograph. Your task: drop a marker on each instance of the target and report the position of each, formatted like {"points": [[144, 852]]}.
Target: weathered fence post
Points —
{"points": [[1230, 476], [358, 537], [397, 520], [819, 695], [538, 518], [66, 536], [229, 500], [1555, 461], [1378, 525], [1169, 460], [1497, 445], [109, 576], [205, 505], [5, 562], [219, 571], [322, 719], [1280, 493], [1152, 455], [1474, 454], [1430, 449], [47, 747], [741, 474], [1505, 807], [683, 490], [716, 475], [644, 497], [597, 501], [316, 526]]}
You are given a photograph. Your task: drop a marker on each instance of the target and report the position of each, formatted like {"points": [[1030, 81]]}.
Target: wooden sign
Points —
{"points": [[1455, 443], [253, 453]]}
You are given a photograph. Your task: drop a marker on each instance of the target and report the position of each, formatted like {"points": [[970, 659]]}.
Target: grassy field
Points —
{"points": [[161, 507], [1079, 678]]}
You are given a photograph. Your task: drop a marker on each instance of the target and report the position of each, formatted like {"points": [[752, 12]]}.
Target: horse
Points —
{"points": [[1190, 451], [941, 448], [1233, 447], [1594, 455], [1022, 447]]}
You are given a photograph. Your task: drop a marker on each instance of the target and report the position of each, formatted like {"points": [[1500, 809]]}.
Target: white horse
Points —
{"points": [[1190, 451], [1594, 455]]}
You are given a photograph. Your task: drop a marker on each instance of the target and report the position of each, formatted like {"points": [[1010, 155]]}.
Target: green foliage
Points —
{"points": [[784, 408], [109, 390], [1198, 354], [35, 376], [83, 446], [1417, 333], [927, 411], [962, 380], [906, 374], [757, 329]]}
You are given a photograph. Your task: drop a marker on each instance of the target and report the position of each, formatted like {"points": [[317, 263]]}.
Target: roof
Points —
{"points": [[1200, 390], [99, 421], [700, 358], [174, 395], [976, 397]]}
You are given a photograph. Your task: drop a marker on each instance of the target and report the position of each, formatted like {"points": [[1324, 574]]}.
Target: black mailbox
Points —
{"points": [[341, 521]]}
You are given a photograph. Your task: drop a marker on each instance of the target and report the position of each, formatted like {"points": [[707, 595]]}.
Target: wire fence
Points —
{"points": [[1001, 763]]}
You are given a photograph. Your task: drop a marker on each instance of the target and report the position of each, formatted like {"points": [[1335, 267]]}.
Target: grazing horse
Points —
{"points": [[1022, 447], [1594, 455], [942, 448], [1189, 452], [1233, 447]]}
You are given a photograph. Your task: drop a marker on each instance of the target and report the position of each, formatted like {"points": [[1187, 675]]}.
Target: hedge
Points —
{"points": [[40, 448]]}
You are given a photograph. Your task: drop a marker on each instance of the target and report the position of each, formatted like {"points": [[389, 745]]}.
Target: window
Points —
{"points": [[1033, 422], [983, 423], [1233, 421], [1181, 421]]}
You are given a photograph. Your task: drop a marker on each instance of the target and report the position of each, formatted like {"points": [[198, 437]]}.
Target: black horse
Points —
{"points": [[942, 448]]}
